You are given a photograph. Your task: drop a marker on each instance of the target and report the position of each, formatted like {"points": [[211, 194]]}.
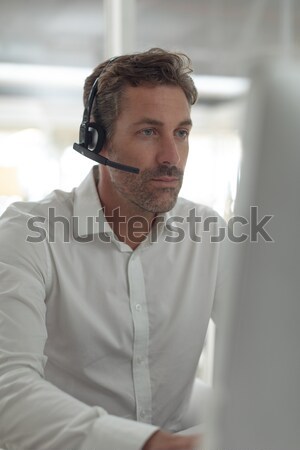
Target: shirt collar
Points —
{"points": [[88, 209]]}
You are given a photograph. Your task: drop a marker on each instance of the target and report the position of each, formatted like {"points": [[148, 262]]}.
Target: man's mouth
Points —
{"points": [[166, 181]]}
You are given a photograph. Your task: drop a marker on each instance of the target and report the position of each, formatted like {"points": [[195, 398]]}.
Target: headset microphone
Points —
{"points": [[92, 138]]}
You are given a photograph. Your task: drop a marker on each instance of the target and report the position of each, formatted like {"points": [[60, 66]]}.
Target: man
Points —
{"points": [[106, 292]]}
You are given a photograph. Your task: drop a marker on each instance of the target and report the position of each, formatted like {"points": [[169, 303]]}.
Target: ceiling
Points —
{"points": [[67, 38], [222, 37]]}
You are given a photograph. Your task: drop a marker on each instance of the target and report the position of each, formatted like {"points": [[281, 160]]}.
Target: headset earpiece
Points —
{"points": [[92, 137], [91, 134]]}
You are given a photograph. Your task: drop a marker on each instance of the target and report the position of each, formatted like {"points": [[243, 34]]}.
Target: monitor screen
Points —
{"points": [[257, 360]]}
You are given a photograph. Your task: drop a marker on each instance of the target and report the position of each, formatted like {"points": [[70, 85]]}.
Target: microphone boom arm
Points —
{"points": [[102, 160]]}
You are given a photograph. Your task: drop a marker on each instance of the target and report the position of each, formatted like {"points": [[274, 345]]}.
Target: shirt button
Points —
{"points": [[143, 414], [138, 307], [140, 360]]}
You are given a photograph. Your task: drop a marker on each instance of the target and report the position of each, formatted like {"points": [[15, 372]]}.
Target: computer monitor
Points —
{"points": [[257, 363]]}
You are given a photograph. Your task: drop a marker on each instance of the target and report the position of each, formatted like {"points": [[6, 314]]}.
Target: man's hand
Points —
{"points": [[166, 441]]}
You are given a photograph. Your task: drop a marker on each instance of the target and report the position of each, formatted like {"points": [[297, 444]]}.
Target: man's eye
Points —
{"points": [[147, 132], [182, 133]]}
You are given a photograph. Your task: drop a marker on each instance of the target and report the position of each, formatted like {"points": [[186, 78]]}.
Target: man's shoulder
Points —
{"points": [[21, 211], [188, 208], [21, 221], [198, 220]]}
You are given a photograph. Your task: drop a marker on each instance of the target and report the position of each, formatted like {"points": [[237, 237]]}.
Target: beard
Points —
{"points": [[139, 191]]}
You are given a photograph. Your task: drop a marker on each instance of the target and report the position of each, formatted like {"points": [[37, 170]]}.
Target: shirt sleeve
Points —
{"points": [[34, 413]]}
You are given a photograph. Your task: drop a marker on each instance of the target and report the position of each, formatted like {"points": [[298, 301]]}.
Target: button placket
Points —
{"points": [[141, 374]]}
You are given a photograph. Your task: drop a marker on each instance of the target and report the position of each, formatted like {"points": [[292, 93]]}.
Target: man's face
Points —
{"points": [[151, 133]]}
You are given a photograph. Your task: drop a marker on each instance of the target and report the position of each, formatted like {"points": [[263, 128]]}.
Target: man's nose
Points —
{"points": [[168, 152]]}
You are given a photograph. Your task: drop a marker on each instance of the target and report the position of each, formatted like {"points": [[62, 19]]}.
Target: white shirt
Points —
{"points": [[99, 344]]}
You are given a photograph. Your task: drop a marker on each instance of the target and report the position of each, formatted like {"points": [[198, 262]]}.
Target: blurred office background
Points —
{"points": [[47, 48]]}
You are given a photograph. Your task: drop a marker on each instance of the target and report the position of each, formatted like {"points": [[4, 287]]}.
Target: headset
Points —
{"points": [[92, 137]]}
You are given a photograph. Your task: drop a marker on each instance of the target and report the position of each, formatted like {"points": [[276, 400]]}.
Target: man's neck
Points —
{"points": [[129, 228]]}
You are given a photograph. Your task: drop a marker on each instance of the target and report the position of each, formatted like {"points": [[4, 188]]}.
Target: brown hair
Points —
{"points": [[153, 67]]}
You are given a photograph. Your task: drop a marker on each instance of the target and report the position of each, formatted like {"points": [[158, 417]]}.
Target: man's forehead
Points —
{"points": [[152, 92], [149, 103]]}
